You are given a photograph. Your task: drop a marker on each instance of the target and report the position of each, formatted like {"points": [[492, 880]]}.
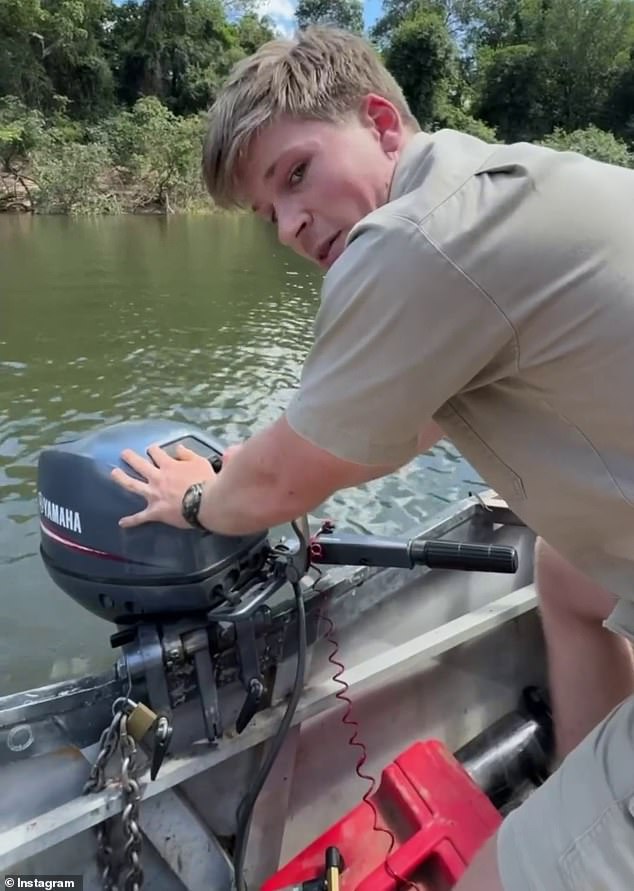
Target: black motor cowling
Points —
{"points": [[129, 575]]}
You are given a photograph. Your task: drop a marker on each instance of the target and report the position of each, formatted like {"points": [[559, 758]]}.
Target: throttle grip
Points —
{"points": [[468, 557]]}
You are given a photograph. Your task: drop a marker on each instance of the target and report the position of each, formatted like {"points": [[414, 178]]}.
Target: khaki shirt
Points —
{"points": [[494, 294]]}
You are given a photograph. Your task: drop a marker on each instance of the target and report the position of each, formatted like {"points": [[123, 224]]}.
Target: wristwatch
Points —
{"points": [[191, 505]]}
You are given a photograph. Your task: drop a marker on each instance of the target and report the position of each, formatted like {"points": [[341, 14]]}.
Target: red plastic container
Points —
{"points": [[439, 818]]}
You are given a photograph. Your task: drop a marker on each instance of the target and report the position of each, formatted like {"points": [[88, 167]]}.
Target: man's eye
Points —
{"points": [[298, 174]]}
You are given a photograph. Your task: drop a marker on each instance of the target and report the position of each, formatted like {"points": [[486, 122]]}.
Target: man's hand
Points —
{"points": [[166, 482]]}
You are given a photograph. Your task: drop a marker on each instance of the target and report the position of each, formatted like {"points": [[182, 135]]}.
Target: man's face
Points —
{"points": [[315, 180]]}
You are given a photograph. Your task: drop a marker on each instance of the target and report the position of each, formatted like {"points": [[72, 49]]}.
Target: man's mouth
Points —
{"points": [[325, 249]]}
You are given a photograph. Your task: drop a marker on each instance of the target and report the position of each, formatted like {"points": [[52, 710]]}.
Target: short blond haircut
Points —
{"points": [[320, 74]]}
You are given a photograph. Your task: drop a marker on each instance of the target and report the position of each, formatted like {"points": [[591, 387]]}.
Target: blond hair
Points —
{"points": [[320, 74]]}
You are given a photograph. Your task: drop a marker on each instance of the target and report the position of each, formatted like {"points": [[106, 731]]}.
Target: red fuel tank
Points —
{"points": [[437, 815]]}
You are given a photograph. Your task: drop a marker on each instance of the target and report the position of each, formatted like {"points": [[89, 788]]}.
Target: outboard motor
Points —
{"points": [[184, 601], [139, 574], [191, 606]]}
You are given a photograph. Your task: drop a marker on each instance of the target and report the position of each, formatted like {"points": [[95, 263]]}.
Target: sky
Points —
{"points": [[282, 11]]}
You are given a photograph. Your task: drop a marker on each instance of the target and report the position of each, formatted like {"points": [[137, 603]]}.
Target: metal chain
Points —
{"points": [[117, 736], [95, 783], [130, 817]]}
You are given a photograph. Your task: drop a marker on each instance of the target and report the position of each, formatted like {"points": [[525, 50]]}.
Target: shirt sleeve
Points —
{"points": [[400, 330]]}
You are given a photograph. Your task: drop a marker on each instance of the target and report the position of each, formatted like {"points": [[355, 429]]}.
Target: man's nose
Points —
{"points": [[291, 223]]}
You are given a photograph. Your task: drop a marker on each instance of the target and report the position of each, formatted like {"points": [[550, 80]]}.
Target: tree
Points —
{"points": [[541, 66], [499, 23], [395, 12], [253, 32], [69, 179], [422, 58], [22, 73], [346, 14], [510, 92], [181, 50], [580, 50], [70, 48], [618, 112], [157, 152], [21, 131]]}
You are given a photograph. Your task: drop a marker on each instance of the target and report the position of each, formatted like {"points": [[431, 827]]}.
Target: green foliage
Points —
{"points": [[51, 47], [21, 131], [252, 32], [395, 12], [422, 58], [526, 67], [594, 143], [347, 14], [96, 53], [457, 119], [181, 52], [72, 54], [618, 112], [510, 92], [100, 102], [580, 53], [499, 23], [22, 71], [73, 179], [541, 66], [157, 155]]}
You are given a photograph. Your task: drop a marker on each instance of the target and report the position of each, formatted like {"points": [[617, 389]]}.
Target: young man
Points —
{"points": [[484, 292]]}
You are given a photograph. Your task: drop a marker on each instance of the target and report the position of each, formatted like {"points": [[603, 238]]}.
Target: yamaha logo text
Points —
{"points": [[60, 515]]}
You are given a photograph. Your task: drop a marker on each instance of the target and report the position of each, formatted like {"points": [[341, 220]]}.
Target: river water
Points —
{"points": [[203, 319]]}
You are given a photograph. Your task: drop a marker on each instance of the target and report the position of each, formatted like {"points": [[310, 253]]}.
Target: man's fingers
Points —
{"points": [[159, 457], [184, 453], [142, 466], [138, 487], [143, 516]]}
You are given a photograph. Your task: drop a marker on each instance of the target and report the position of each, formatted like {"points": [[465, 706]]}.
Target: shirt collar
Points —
{"points": [[410, 167]]}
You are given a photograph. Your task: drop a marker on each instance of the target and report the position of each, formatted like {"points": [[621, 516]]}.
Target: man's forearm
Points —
{"points": [[247, 496], [274, 478]]}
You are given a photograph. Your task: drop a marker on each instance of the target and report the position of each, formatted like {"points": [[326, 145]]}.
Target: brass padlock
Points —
{"points": [[140, 721]]}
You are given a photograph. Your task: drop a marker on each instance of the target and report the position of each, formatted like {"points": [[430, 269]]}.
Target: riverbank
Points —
{"points": [[145, 160], [22, 193]]}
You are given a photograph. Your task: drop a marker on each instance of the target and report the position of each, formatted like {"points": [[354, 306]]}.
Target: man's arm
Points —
{"points": [[278, 475], [274, 477]]}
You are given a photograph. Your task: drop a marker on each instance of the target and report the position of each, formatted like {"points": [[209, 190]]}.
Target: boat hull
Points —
{"points": [[427, 654]]}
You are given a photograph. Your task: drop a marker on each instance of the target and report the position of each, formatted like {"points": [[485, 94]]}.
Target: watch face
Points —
{"points": [[191, 503]]}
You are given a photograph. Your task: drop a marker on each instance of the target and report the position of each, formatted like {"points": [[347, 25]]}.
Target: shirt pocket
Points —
{"points": [[495, 472]]}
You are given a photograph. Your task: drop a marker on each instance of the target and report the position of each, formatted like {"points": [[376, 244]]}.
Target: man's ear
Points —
{"points": [[383, 117]]}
